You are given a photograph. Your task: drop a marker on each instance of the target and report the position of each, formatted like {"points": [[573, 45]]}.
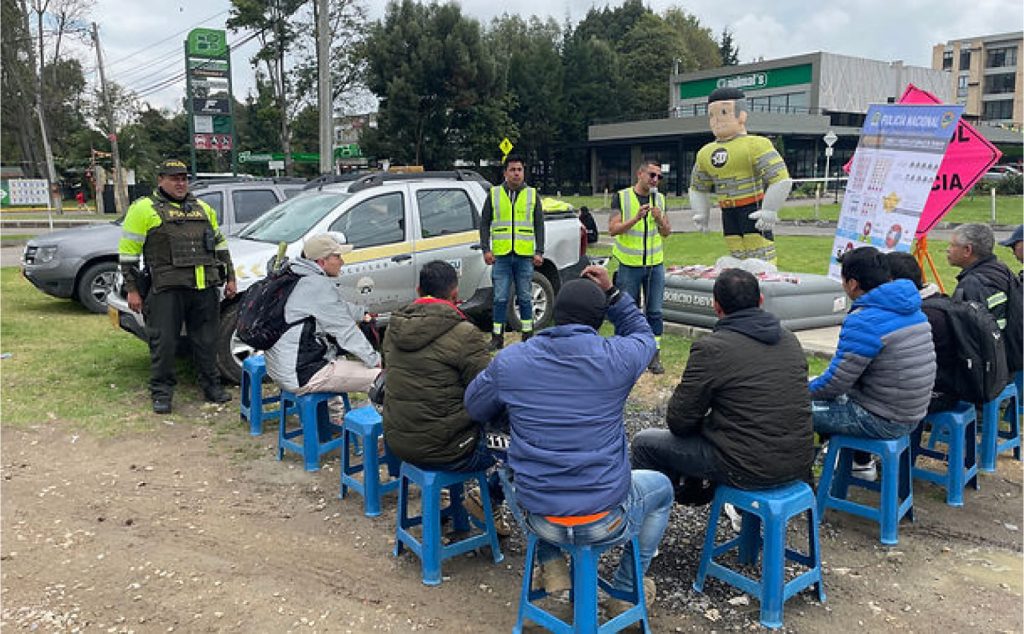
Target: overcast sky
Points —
{"points": [[131, 30]]}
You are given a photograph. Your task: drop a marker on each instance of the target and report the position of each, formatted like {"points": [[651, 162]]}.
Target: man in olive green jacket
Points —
{"points": [[431, 353]]}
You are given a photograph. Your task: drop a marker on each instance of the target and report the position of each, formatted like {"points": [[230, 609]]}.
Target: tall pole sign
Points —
{"points": [[209, 102]]}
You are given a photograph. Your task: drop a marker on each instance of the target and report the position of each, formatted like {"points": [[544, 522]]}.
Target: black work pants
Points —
{"points": [[165, 312], [690, 462]]}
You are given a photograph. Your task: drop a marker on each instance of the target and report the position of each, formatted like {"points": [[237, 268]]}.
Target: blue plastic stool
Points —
{"points": [[430, 550], [957, 428], [896, 491], [319, 435], [253, 403], [363, 425], [774, 508], [995, 441], [585, 582]]}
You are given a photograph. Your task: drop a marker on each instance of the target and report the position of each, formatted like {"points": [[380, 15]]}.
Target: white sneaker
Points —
{"points": [[735, 517], [865, 471]]}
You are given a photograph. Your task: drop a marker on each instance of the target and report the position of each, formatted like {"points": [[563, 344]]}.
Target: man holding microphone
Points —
{"points": [[639, 223]]}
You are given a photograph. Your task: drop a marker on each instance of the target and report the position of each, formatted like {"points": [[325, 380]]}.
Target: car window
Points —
{"points": [[292, 192], [251, 203], [375, 221], [444, 211], [215, 200], [293, 218]]}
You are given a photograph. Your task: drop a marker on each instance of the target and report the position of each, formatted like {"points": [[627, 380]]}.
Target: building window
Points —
{"points": [[998, 110], [965, 59], [947, 60], [961, 86], [1002, 57], [1000, 84]]}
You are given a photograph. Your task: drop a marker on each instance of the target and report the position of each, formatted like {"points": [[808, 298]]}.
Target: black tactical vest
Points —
{"points": [[182, 242]]}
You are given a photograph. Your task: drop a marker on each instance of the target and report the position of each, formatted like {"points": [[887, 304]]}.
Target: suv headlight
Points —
{"points": [[45, 254]]}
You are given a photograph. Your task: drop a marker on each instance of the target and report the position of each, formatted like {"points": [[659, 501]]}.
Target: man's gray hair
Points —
{"points": [[741, 105], [978, 236]]}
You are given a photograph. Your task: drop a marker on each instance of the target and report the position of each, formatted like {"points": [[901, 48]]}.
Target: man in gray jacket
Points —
{"points": [[311, 355]]}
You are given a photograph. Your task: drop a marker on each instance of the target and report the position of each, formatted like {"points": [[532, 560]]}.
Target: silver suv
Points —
{"points": [[80, 263]]}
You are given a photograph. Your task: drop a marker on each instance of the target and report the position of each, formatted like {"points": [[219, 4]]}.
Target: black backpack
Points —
{"points": [[261, 319], [980, 373]]}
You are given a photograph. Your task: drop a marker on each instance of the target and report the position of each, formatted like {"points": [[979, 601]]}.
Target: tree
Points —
{"points": [[276, 31], [347, 22], [699, 41], [436, 82], [729, 52]]}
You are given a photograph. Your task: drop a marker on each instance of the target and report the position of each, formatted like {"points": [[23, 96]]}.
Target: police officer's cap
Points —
{"points": [[725, 94], [172, 166]]}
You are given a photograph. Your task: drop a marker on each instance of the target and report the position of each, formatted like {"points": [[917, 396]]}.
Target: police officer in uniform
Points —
{"points": [[186, 259], [512, 238]]}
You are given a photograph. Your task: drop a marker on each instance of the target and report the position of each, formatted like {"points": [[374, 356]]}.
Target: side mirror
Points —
{"points": [[339, 236]]}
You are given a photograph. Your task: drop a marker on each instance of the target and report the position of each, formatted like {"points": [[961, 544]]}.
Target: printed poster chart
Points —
{"points": [[891, 176]]}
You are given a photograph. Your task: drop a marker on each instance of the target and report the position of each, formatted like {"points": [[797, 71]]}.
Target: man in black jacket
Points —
{"points": [[742, 414], [986, 280]]}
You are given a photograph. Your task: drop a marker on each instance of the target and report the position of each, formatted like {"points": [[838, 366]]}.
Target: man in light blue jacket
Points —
{"points": [[564, 391]]}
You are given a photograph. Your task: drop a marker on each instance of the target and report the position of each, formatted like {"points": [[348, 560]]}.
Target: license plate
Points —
{"points": [[114, 321]]}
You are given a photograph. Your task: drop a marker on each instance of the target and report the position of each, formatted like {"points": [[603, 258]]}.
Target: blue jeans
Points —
{"points": [[844, 416], [631, 279], [506, 270], [643, 513]]}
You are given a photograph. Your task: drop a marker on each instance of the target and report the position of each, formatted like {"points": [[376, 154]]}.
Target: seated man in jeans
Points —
{"points": [[564, 391], [432, 354], [879, 383]]}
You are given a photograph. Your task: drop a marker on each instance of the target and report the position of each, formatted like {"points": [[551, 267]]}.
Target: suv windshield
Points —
{"points": [[293, 218]]}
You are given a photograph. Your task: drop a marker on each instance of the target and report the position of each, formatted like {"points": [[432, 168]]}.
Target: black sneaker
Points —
{"points": [[655, 366], [161, 406], [217, 395], [497, 342]]}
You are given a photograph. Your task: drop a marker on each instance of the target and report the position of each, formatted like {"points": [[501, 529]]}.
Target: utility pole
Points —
{"points": [[56, 195], [119, 202], [323, 41]]}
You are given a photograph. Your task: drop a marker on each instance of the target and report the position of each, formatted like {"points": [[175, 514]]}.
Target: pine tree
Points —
{"points": [[730, 53]]}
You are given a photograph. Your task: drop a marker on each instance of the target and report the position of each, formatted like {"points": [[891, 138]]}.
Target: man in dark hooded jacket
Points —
{"points": [[432, 353], [741, 415]]}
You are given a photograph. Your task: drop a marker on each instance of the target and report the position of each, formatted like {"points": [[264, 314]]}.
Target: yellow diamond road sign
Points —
{"points": [[505, 146]]}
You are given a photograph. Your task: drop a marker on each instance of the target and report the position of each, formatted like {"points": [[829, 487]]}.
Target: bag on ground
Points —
{"points": [[981, 370]]}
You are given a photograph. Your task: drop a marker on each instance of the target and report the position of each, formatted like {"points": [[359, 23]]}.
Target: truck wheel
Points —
{"points": [[95, 283], [543, 299], [231, 351]]}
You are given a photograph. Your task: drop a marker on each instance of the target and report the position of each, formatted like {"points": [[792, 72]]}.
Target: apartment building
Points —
{"points": [[985, 75]]}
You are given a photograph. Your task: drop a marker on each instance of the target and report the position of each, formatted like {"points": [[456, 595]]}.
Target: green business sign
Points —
{"points": [[350, 150], [208, 43], [748, 82]]}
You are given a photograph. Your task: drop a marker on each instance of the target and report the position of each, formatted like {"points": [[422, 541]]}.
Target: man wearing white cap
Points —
{"points": [[312, 355]]}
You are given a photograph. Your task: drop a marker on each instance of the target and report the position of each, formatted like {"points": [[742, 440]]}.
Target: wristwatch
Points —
{"points": [[613, 294]]}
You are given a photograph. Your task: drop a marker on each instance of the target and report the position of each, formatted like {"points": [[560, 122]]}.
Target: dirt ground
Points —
{"points": [[191, 528]]}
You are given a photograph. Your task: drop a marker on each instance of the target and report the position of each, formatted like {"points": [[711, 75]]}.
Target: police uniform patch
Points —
{"points": [[719, 157]]}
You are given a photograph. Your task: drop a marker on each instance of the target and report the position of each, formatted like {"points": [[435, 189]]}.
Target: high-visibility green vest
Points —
{"points": [[512, 225], [640, 245]]}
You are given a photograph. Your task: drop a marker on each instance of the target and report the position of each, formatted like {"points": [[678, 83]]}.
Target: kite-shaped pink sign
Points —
{"points": [[967, 158]]}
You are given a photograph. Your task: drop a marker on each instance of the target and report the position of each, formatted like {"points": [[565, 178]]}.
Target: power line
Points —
{"points": [[171, 36]]}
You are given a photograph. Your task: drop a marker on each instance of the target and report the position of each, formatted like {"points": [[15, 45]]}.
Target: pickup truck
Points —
{"points": [[397, 223]]}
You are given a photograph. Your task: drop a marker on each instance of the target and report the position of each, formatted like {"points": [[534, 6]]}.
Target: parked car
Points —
{"points": [[1001, 172], [397, 223], [80, 263]]}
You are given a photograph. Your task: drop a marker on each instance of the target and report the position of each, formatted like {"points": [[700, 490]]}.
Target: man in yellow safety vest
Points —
{"points": [[638, 223], [512, 238]]}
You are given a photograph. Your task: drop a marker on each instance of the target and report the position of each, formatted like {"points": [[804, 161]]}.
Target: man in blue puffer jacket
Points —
{"points": [[878, 384], [564, 391]]}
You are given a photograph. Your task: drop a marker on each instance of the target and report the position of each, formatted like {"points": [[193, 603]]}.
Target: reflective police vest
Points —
{"points": [[512, 225], [178, 241], [641, 244]]}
